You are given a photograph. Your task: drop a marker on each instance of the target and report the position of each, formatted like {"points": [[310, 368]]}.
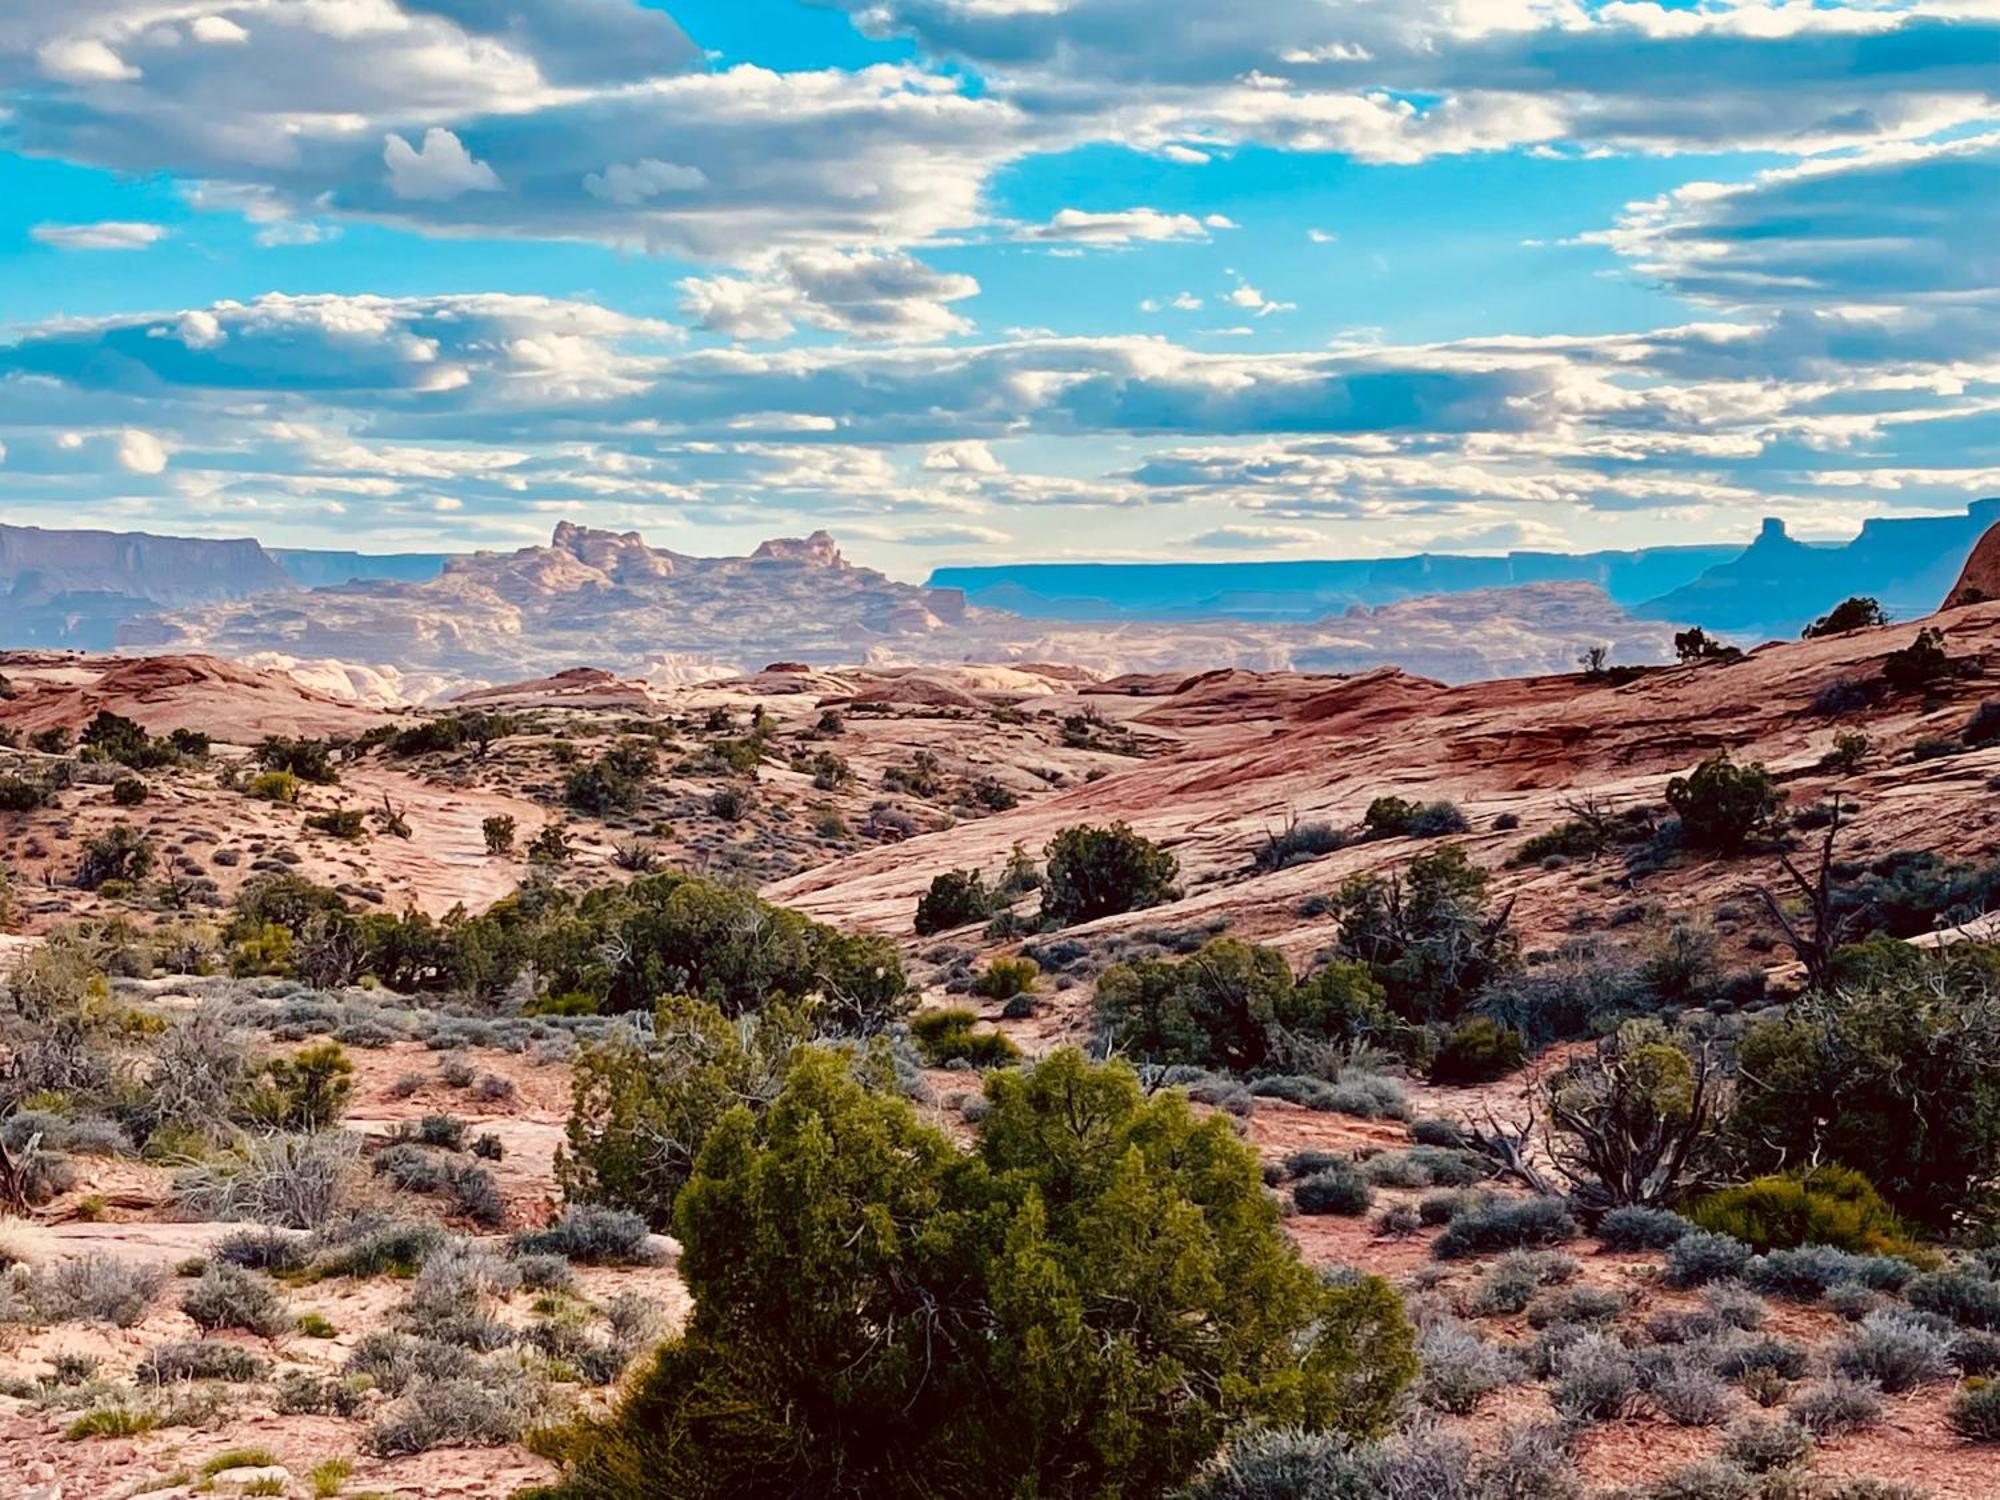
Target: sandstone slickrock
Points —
{"points": [[224, 699], [1979, 579]]}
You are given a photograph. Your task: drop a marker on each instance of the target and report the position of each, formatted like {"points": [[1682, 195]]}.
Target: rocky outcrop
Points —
{"points": [[1979, 579], [223, 699], [608, 600], [817, 550]]}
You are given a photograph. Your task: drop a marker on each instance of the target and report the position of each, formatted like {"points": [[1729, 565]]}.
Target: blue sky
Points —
{"points": [[969, 280]]}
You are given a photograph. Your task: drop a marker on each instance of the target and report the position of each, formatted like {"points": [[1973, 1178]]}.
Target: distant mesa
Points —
{"points": [[413, 627], [1771, 588]]}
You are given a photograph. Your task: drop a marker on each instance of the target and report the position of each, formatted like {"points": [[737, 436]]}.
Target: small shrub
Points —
{"points": [[1686, 1391], [95, 1287], [1433, 1131], [1897, 1350], [446, 1132], [1442, 1208], [1335, 1190], [1976, 1353], [1975, 1413], [120, 853], [228, 1296], [392, 1250], [263, 1250], [1856, 613], [1460, 1369], [1512, 1281], [300, 1394], [1764, 1445], [1824, 1205], [592, 1236], [1506, 1225], [1812, 1270], [1582, 1304], [274, 786], [1100, 872], [1961, 1295], [1734, 1306], [1919, 666], [111, 1421], [1850, 1300], [340, 822], [1296, 843], [199, 1359], [956, 898], [1005, 978], [948, 1035], [1478, 1050], [294, 1181], [1633, 1228], [1837, 1406], [1766, 1354], [1596, 1379], [457, 1413], [396, 1362], [1722, 805], [1700, 1257]]}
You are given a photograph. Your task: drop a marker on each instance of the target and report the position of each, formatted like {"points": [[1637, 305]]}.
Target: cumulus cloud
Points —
{"points": [[106, 234], [1397, 83], [1900, 223], [601, 120], [218, 31], [82, 60], [598, 117], [629, 184], [864, 294], [140, 452], [439, 170]]}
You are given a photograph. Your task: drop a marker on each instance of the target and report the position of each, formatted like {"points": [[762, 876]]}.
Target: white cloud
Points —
{"points": [[1246, 296], [140, 452], [218, 31], [440, 170], [970, 457], [864, 294], [1123, 227], [82, 60], [631, 185], [1402, 82], [107, 234]]}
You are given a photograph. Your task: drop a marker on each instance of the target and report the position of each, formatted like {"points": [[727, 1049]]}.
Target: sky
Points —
{"points": [[994, 280]]}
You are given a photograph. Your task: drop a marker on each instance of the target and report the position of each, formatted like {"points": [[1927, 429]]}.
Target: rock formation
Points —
{"points": [[223, 699], [1979, 579], [608, 600]]}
